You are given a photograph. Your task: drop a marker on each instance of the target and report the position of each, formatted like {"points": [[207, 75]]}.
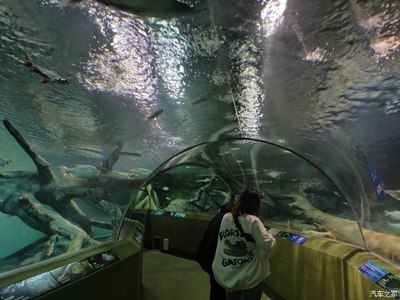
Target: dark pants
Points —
{"points": [[252, 294], [217, 292]]}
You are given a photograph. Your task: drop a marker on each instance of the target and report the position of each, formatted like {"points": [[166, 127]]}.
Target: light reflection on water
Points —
{"points": [[297, 70]]}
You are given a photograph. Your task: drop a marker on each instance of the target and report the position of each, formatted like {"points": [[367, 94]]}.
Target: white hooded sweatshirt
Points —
{"points": [[239, 264]]}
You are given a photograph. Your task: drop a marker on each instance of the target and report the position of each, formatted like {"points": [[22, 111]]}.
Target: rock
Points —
{"points": [[80, 171]]}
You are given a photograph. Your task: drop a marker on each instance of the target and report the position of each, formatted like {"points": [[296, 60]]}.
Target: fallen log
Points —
{"points": [[107, 165], [59, 194], [42, 166], [385, 244]]}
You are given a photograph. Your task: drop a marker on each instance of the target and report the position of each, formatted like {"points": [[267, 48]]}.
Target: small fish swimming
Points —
{"points": [[204, 180], [215, 91], [87, 152], [101, 152], [165, 188], [394, 215], [130, 153], [224, 153], [273, 173], [164, 9], [47, 74], [393, 226], [4, 162], [49, 246], [93, 150], [155, 115]]}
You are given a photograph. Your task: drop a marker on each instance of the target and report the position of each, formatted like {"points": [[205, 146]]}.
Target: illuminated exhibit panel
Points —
{"points": [[296, 194]]}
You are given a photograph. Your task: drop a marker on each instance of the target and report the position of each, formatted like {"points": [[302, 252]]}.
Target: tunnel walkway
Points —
{"points": [[170, 277]]}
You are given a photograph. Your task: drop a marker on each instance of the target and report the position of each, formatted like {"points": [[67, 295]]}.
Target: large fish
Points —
{"points": [[48, 75], [164, 9], [208, 96], [101, 152], [155, 115]]}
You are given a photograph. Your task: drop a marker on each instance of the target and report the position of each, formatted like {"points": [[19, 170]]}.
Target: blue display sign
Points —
{"points": [[179, 215], [159, 213], [298, 239], [373, 271], [138, 234], [295, 238]]}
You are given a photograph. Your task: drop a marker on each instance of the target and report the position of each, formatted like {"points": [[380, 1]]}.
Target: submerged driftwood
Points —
{"points": [[329, 226], [26, 195]]}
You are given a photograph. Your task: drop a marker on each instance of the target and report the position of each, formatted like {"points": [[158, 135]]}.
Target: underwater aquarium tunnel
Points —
{"points": [[200, 179], [127, 124]]}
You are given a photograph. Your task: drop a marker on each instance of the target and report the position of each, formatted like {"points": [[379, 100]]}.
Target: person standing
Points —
{"points": [[206, 252], [241, 259]]}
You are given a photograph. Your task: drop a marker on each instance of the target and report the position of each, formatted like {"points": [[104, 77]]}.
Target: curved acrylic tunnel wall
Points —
{"points": [[296, 193]]}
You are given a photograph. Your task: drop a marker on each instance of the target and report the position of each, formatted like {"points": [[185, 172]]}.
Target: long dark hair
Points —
{"points": [[248, 203]]}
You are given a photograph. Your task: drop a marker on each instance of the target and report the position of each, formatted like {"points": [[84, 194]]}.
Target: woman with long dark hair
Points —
{"points": [[244, 246]]}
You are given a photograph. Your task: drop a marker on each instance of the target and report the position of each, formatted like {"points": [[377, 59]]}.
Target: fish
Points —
{"points": [[130, 153], [394, 215], [47, 74], [273, 174], [155, 115], [165, 188], [49, 246], [4, 162], [93, 150], [87, 153], [336, 193], [101, 152], [215, 91], [163, 9], [393, 226], [224, 153], [204, 180]]}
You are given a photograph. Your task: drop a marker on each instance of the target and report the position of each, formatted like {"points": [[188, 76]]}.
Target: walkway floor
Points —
{"points": [[168, 277]]}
